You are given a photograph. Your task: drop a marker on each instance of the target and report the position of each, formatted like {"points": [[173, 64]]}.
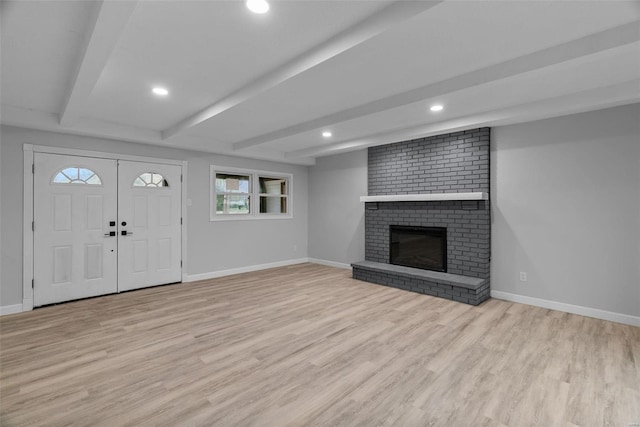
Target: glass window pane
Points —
{"points": [[94, 180], [72, 173], [150, 180], [230, 183], [61, 178], [85, 174], [273, 204], [273, 185], [219, 185], [77, 175], [232, 204]]}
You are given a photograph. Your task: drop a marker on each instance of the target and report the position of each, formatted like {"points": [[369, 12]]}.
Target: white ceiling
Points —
{"points": [[266, 86]]}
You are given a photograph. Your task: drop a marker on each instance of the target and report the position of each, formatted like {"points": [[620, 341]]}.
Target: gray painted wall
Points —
{"points": [[212, 246], [565, 196], [336, 216]]}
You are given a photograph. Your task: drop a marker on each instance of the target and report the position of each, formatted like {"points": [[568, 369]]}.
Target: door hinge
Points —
{"points": [[180, 220], [33, 226], [180, 177], [180, 263], [32, 283], [33, 168]]}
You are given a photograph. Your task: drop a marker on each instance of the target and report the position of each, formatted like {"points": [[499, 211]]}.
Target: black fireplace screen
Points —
{"points": [[419, 247]]}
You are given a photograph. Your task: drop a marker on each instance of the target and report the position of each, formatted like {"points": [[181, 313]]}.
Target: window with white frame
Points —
{"points": [[249, 194], [76, 175]]}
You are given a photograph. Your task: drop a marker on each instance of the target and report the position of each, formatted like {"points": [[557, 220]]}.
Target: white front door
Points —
{"points": [[75, 214], [103, 226], [149, 219]]}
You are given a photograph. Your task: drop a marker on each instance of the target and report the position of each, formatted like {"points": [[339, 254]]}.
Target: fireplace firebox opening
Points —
{"points": [[418, 247]]}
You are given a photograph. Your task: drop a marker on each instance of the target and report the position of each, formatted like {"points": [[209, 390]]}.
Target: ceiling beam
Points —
{"points": [[370, 27], [592, 44], [106, 24], [573, 103], [49, 122]]}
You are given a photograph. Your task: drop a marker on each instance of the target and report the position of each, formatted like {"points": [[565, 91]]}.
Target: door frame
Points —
{"points": [[28, 214]]}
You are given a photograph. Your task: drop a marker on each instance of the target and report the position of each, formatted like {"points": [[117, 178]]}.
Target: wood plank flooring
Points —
{"points": [[308, 345]]}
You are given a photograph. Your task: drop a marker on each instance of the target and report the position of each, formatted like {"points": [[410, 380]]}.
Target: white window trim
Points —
{"points": [[254, 194]]}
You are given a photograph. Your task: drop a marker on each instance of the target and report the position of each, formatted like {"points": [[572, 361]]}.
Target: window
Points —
{"points": [[233, 194], [76, 175], [247, 194], [273, 195], [150, 179]]}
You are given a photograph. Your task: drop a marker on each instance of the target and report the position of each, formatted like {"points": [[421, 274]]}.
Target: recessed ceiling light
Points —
{"points": [[160, 91], [436, 107], [327, 134], [258, 6]]}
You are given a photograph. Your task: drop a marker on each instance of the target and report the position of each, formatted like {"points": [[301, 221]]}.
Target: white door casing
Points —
{"points": [[74, 254], [149, 221]]}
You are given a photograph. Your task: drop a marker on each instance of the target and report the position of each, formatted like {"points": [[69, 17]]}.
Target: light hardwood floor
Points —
{"points": [[308, 345]]}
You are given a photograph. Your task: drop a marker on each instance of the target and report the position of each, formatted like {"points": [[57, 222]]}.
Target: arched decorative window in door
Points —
{"points": [[76, 175], [150, 179]]}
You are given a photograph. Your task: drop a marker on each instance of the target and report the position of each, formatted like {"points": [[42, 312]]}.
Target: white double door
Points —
{"points": [[103, 226]]}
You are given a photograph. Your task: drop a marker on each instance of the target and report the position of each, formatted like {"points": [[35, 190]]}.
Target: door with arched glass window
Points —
{"points": [[75, 242], [103, 226], [149, 215]]}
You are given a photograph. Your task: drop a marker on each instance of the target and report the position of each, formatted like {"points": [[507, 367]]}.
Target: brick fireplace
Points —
{"points": [[455, 164]]}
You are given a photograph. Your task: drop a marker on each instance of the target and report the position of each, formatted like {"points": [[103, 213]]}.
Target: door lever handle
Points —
{"points": [[125, 233], [110, 234]]}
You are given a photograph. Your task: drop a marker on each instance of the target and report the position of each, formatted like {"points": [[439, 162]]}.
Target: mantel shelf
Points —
{"points": [[427, 197]]}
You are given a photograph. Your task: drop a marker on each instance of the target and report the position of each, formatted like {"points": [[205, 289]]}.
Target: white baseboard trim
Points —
{"points": [[568, 308], [248, 269], [10, 309], [330, 263]]}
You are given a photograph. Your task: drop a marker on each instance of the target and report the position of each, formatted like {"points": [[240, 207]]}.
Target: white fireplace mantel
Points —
{"points": [[426, 197]]}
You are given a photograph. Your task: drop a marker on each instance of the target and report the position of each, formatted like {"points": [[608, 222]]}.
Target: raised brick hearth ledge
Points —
{"points": [[470, 290]]}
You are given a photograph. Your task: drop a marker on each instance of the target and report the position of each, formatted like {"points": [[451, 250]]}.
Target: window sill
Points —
{"points": [[248, 217]]}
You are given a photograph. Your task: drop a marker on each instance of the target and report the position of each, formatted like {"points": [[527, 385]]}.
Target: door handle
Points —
{"points": [[110, 234], [125, 233]]}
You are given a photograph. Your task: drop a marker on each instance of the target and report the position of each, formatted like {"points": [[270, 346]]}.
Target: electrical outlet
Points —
{"points": [[523, 276]]}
